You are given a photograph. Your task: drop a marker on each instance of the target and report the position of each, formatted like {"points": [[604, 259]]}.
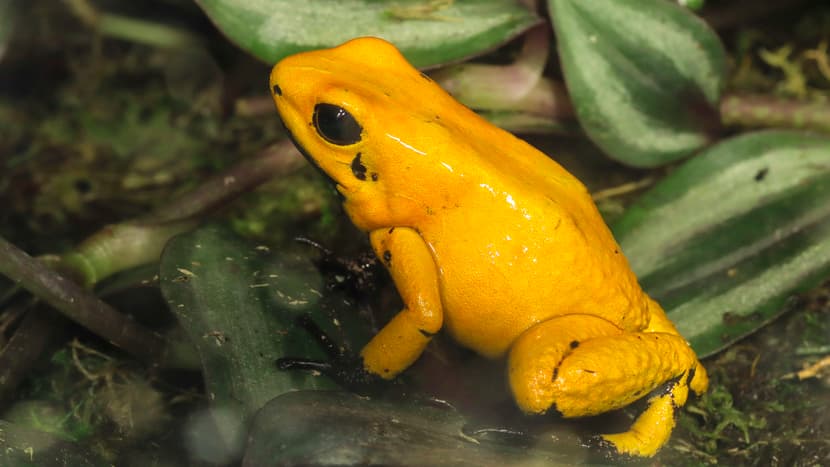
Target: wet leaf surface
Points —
{"points": [[238, 303], [644, 76], [428, 33], [725, 240], [337, 428]]}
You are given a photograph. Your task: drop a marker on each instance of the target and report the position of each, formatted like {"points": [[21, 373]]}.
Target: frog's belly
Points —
{"points": [[496, 286], [487, 310]]}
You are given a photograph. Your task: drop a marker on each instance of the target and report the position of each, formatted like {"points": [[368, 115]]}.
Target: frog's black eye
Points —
{"points": [[336, 125]]}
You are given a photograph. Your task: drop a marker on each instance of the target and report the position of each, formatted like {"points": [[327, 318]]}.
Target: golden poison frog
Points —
{"points": [[487, 239]]}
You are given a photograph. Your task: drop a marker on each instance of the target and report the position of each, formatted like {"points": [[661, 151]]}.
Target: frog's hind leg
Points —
{"points": [[654, 426], [580, 365]]}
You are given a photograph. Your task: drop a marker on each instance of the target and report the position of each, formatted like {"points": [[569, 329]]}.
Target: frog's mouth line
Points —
{"points": [[311, 160]]}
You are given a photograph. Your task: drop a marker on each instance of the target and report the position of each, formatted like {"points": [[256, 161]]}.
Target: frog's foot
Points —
{"points": [[344, 367], [582, 365], [652, 428], [356, 275]]}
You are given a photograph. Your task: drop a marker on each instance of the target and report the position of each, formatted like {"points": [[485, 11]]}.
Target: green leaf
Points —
{"points": [[21, 446], [427, 32], [728, 237], [337, 428], [644, 76], [238, 304]]}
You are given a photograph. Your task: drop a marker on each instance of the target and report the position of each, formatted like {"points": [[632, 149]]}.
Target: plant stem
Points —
{"points": [[275, 160], [134, 243], [132, 29], [79, 304], [30, 339], [755, 110]]}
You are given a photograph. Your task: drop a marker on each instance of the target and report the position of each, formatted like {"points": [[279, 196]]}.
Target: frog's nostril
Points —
{"points": [[276, 90]]}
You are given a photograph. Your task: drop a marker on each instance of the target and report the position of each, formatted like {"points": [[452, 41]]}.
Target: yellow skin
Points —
{"points": [[490, 240]]}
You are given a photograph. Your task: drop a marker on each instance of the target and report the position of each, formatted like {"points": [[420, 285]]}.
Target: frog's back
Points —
{"points": [[533, 239], [516, 238]]}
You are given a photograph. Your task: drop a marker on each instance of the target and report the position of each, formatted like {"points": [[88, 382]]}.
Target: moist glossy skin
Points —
{"points": [[487, 239]]}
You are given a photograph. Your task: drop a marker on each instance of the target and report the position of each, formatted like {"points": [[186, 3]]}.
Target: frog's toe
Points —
{"points": [[294, 363], [605, 450], [346, 372], [652, 429], [350, 373], [630, 444], [344, 367], [506, 434]]}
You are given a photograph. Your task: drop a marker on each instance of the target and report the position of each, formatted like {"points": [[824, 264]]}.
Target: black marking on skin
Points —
{"points": [[426, 334], [358, 169], [675, 408], [391, 229], [387, 257], [616, 251], [276, 90], [667, 391], [667, 387], [761, 174], [374, 176], [589, 371], [690, 376], [574, 344], [555, 373]]}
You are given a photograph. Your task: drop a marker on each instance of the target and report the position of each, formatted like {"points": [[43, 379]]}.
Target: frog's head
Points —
{"points": [[369, 120]]}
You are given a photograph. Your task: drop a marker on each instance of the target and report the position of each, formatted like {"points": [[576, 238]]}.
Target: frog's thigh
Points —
{"points": [[535, 357], [402, 340], [607, 373], [582, 365]]}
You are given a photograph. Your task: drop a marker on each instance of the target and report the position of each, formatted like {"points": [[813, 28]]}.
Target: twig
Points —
{"points": [[31, 338], [79, 304], [810, 371], [622, 189], [752, 110], [275, 160]]}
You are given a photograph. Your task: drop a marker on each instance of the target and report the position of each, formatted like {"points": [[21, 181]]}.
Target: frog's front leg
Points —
{"points": [[402, 340], [580, 365]]}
